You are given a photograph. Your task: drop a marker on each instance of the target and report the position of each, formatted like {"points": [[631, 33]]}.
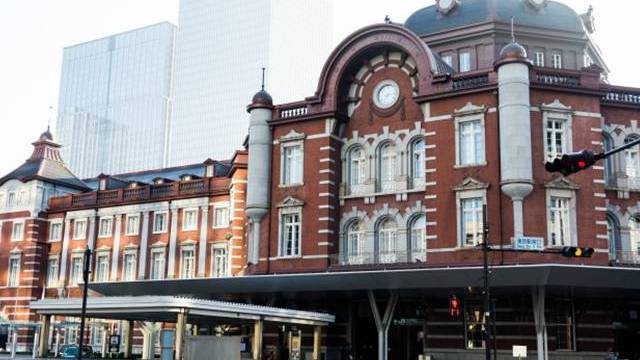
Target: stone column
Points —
{"points": [[43, 345], [144, 239], [65, 253], [202, 252], [538, 296], [258, 328], [128, 340], [173, 237], [383, 324], [317, 331], [180, 329], [91, 240], [115, 257]]}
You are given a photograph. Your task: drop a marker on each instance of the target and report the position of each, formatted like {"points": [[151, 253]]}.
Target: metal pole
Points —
{"points": [[85, 277], [487, 295]]}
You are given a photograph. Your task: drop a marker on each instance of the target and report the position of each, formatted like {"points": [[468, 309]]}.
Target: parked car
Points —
{"points": [[71, 352]]}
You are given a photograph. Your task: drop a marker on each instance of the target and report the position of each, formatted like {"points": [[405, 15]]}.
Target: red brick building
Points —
{"points": [[371, 193]]}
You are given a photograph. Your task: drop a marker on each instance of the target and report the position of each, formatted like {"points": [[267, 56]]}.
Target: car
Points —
{"points": [[71, 352]]}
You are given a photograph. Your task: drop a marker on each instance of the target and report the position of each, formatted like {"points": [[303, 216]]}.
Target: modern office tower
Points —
{"points": [[115, 101], [220, 48]]}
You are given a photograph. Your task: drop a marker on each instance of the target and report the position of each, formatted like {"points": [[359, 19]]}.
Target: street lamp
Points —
{"points": [[85, 276]]}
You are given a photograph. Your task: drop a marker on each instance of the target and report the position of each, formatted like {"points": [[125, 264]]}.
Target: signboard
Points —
{"points": [[519, 351], [114, 343], [528, 243]]}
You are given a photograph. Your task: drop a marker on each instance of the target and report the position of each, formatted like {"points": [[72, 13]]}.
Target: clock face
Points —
{"points": [[445, 4], [386, 94]]}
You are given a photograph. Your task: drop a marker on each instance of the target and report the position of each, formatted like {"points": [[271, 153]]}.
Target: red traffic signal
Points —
{"points": [[572, 163], [454, 306], [577, 251]]}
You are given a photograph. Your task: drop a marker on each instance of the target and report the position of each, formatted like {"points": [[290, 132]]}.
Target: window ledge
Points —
{"points": [[465, 166], [189, 230], [221, 227], [159, 232], [407, 191], [104, 236], [284, 186], [291, 257], [136, 234]]}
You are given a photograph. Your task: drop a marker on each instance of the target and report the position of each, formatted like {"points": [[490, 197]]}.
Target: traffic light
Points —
{"points": [[454, 306], [572, 163], [577, 251]]}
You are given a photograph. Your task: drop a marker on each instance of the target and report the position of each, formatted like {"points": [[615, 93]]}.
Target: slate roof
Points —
{"points": [[554, 15]]}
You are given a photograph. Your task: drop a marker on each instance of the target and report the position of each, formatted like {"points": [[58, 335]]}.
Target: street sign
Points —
{"points": [[528, 243], [519, 351]]}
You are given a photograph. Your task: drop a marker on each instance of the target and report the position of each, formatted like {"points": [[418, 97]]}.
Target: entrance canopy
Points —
{"points": [[167, 308]]}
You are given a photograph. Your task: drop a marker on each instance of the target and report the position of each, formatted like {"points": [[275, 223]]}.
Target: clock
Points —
{"points": [[445, 6], [386, 94], [538, 4]]}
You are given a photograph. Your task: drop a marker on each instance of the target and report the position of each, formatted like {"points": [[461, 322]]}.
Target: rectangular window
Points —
{"points": [[472, 221], [559, 221], [11, 201], [465, 61], [221, 216], [17, 232], [1, 199], [557, 60], [160, 222], [189, 219], [55, 231], [75, 273], [220, 261], [187, 263], [448, 59], [79, 229], [157, 264], [471, 142], [133, 225], [555, 143], [290, 234], [292, 165], [102, 267], [129, 266], [105, 227], [14, 271], [52, 272], [22, 197], [97, 335], [539, 60]]}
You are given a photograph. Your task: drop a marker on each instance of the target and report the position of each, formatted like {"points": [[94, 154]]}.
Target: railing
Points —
{"points": [[134, 194], [190, 187], [625, 258], [83, 199], [469, 82], [293, 110], [379, 258], [161, 190], [107, 197], [550, 77], [622, 96]]}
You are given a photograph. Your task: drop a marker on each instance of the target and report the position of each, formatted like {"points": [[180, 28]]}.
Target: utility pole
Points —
{"points": [[487, 295], [85, 276]]}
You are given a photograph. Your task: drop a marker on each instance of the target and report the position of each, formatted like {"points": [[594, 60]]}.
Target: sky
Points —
{"points": [[34, 32]]}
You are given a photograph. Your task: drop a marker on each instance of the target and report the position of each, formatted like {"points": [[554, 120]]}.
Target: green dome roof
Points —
{"points": [[553, 16]]}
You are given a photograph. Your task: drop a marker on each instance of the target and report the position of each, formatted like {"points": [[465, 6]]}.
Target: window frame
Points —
{"points": [[52, 277], [102, 233], [214, 259], [573, 230], [384, 182], [76, 234], [101, 254], [411, 229], [415, 160], [14, 281], [288, 211], [361, 167], [128, 218], [183, 249], [51, 233], [556, 59], [221, 206], [479, 159], [20, 233], [539, 58], [191, 226], [567, 133], [390, 255], [158, 251], [129, 253], [461, 56], [291, 181], [461, 196], [165, 223], [72, 274]]}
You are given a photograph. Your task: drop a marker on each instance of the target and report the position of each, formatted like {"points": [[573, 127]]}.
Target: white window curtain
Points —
{"points": [[133, 225], [472, 221], [418, 238], [471, 142], [388, 241], [357, 166], [388, 167], [555, 144], [102, 267], [292, 167], [290, 234], [157, 265], [52, 272], [105, 227], [417, 159], [220, 261], [160, 222], [188, 263], [75, 274], [559, 221], [14, 271], [129, 271], [355, 243]]}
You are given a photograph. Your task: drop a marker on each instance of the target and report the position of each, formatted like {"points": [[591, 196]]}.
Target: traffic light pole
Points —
{"points": [[85, 276], [487, 295]]}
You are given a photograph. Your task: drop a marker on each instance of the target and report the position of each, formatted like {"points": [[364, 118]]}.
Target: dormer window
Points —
{"points": [[186, 178], [557, 60], [539, 60], [133, 185], [464, 61], [158, 181], [11, 200], [103, 184], [209, 170]]}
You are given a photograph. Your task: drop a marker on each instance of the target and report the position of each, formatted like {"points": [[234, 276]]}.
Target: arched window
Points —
{"points": [[612, 236], [387, 241], [607, 142], [357, 166], [355, 243], [387, 166], [418, 244], [417, 159], [632, 157], [634, 234]]}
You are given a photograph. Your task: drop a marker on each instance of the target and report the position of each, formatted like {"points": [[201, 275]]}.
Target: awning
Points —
{"points": [[166, 309], [508, 276]]}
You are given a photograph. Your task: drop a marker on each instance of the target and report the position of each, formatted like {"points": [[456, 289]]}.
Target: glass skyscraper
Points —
{"points": [[115, 101], [221, 47]]}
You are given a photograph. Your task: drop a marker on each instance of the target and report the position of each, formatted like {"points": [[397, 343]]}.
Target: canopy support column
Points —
{"points": [[317, 332], [383, 324], [149, 331], [258, 328], [181, 324], [538, 295], [43, 345], [128, 339]]}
